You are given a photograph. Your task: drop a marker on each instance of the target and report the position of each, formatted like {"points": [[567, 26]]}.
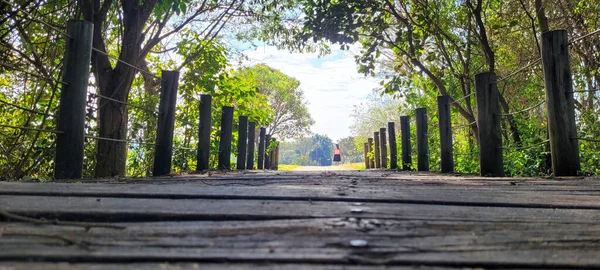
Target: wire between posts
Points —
{"points": [[117, 140], [585, 91], [29, 16], [465, 97], [125, 103], [583, 37], [464, 126], [586, 139], [125, 63], [523, 110], [185, 148], [25, 109], [35, 129], [519, 70], [525, 147]]}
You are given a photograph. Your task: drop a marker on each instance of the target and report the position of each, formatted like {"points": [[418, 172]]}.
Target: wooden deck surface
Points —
{"points": [[302, 220]]}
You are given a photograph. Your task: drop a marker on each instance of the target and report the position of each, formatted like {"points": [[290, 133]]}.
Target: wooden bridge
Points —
{"points": [[301, 220]]}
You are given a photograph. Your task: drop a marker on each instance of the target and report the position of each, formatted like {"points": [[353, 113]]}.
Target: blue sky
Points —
{"points": [[331, 84]]}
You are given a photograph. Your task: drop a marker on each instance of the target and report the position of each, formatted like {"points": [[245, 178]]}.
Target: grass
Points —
{"points": [[288, 167], [354, 166]]}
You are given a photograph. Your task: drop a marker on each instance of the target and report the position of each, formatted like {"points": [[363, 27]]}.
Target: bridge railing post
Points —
{"points": [[383, 146], [251, 144], [366, 152], [422, 141], [204, 128], [377, 149], [406, 148], [564, 146], [68, 162], [225, 138], [242, 142], [268, 152], [261, 148], [488, 122], [371, 159], [445, 125], [163, 153], [393, 147]]}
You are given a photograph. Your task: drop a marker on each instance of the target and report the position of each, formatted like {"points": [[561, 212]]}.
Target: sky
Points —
{"points": [[331, 84]]}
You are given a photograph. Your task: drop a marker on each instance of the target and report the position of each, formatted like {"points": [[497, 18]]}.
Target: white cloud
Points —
{"points": [[331, 84]]}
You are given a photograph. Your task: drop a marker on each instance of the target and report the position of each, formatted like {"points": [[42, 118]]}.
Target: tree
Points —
{"points": [[291, 119], [133, 29], [350, 150]]}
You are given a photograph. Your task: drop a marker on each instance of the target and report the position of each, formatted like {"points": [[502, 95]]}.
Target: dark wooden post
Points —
{"points": [[268, 152], [371, 159], [242, 142], [225, 139], [393, 147], [564, 146], [261, 148], [383, 148], [422, 142], [488, 120], [376, 152], [275, 159], [163, 152], [68, 162], [251, 143], [447, 161], [366, 151], [406, 148], [205, 125]]}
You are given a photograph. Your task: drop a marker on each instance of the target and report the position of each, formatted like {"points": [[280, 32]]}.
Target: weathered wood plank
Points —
{"points": [[317, 241], [182, 266], [141, 209], [525, 194]]}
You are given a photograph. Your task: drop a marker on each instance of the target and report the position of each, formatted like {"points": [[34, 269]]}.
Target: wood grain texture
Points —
{"points": [[304, 220]]}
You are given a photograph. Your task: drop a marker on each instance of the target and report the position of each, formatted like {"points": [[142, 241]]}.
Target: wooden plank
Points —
{"points": [[316, 241], [143, 209], [581, 194], [181, 266]]}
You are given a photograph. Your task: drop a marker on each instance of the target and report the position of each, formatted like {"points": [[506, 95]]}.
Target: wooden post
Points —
{"points": [[488, 120], [242, 142], [383, 148], [422, 142], [275, 160], [564, 146], [406, 149], [261, 148], [225, 139], [447, 161], [163, 152], [205, 124], [366, 151], [68, 161], [268, 152], [371, 159], [251, 144], [393, 147], [377, 154]]}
